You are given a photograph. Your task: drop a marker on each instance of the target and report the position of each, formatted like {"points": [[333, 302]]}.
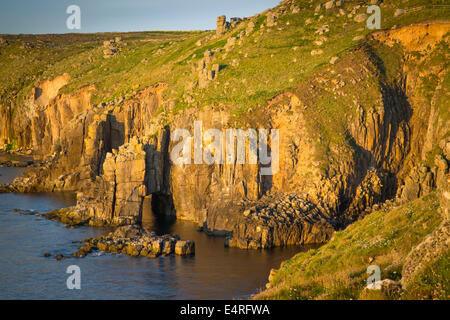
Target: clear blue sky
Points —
{"points": [[49, 16]]}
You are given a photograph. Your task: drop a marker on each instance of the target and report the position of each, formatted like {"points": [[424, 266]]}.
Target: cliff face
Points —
{"points": [[350, 136]]}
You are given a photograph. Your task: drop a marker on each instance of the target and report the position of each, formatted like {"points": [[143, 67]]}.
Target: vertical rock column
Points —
{"points": [[222, 25]]}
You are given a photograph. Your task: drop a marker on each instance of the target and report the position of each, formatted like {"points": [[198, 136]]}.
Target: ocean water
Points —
{"points": [[215, 272]]}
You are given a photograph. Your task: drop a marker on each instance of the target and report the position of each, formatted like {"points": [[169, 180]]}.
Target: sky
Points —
{"points": [[49, 16]]}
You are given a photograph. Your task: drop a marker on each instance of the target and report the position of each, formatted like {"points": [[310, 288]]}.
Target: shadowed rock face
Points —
{"points": [[118, 159]]}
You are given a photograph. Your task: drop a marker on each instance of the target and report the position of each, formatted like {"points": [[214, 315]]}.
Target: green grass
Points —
{"points": [[337, 270], [432, 283]]}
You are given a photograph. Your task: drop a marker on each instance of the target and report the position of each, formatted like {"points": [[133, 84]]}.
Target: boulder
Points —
{"points": [[157, 246], [271, 19], [390, 287], [333, 60]]}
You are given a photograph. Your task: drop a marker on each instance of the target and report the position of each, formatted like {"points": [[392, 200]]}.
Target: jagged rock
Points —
{"points": [[250, 27], [324, 29], [420, 182], [432, 247], [329, 4], [132, 231], [208, 56], [358, 38], [234, 22], [445, 147], [135, 241], [168, 247], [231, 42]]}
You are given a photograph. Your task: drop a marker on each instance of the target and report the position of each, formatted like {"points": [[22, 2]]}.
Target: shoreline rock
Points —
{"points": [[137, 242]]}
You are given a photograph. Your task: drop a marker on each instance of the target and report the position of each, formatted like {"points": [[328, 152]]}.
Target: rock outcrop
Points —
{"points": [[137, 242]]}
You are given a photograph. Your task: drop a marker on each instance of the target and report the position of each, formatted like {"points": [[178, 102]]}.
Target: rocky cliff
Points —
{"points": [[360, 130]]}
